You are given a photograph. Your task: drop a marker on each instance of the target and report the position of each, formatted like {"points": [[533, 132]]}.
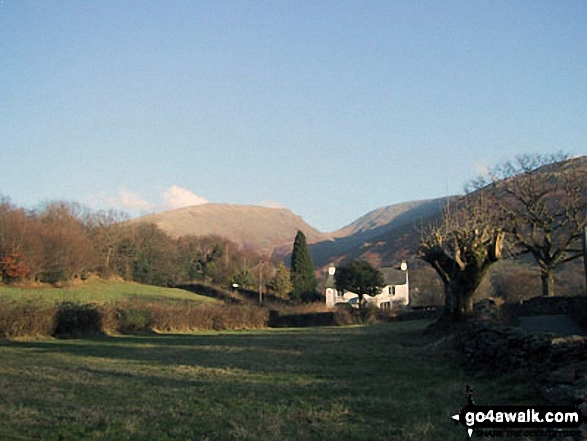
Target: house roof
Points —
{"points": [[330, 282], [393, 276]]}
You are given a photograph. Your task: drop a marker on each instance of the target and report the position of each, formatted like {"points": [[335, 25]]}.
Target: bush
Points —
{"points": [[190, 317], [305, 317], [345, 316], [73, 320], [133, 321], [313, 297], [26, 320], [579, 312]]}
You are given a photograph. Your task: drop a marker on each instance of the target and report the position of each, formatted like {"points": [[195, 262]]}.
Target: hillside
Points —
{"points": [[378, 228], [370, 224], [97, 291], [383, 236], [272, 230], [391, 242], [259, 228]]}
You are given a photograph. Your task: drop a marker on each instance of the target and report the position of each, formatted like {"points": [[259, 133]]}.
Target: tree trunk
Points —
{"points": [[458, 301], [547, 282]]}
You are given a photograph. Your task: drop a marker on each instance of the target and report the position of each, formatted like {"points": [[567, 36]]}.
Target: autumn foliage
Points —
{"points": [[11, 266], [64, 241]]}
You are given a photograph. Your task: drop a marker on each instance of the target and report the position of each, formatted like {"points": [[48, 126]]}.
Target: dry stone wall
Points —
{"points": [[559, 364]]}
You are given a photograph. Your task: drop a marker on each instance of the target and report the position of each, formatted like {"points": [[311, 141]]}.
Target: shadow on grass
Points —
{"points": [[261, 351], [356, 383]]}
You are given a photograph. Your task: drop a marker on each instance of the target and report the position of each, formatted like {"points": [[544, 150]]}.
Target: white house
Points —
{"points": [[396, 291]]}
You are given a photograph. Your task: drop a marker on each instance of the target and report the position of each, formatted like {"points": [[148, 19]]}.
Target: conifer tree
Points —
{"points": [[281, 283], [302, 269]]}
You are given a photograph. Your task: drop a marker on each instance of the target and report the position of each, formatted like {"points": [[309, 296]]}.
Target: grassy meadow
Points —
{"points": [[111, 307], [378, 382], [97, 291]]}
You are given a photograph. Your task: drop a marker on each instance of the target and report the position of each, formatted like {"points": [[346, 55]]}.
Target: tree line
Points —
{"points": [[63, 241]]}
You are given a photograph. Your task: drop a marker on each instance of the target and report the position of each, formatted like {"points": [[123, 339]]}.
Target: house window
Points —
{"points": [[392, 290]]}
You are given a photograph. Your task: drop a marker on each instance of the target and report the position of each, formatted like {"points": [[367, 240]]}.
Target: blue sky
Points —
{"points": [[329, 108]]}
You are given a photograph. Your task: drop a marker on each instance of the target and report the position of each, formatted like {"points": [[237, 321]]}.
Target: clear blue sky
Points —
{"points": [[329, 108]]}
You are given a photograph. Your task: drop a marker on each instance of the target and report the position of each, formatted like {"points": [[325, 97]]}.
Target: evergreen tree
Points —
{"points": [[281, 283], [302, 270]]}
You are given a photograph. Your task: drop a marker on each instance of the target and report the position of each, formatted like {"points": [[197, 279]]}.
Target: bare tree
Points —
{"points": [[543, 200], [13, 226], [67, 249], [461, 247], [106, 230]]}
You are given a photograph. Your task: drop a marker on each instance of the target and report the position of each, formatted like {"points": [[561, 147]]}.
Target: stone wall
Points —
{"points": [[558, 364], [551, 305]]}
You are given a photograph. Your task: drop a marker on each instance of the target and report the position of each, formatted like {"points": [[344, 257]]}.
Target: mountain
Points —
{"points": [[382, 224], [271, 231], [384, 236], [258, 228], [398, 239], [370, 224]]}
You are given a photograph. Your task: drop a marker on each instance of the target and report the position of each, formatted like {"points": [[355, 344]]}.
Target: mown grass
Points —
{"points": [[97, 291], [379, 382]]}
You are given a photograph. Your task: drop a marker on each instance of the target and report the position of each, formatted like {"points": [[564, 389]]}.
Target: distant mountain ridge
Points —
{"points": [[370, 222], [377, 230], [253, 227], [271, 231], [384, 236]]}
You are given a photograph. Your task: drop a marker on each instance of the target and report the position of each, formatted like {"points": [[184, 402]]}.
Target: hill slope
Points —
{"points": [[384, 236], [370, 223], [258, 228], [398, 240], [97, 291], [376, 228]]}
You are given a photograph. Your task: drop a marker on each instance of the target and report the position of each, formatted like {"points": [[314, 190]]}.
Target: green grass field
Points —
{"points": [[98, 291], [379, 382]]}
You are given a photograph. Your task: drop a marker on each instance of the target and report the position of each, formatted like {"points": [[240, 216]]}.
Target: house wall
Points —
{"points": [[394, 294], [402, 294], [331, 294], [391, 294], [333, 297]]}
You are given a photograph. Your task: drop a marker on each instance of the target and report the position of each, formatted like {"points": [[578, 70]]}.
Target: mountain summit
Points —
{"points": [[253, 227]]}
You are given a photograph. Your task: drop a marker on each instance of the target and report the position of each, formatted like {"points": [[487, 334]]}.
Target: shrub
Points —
{"points": [[191, 317], [133, 321], [369, 313], [345, 316], [26, 320], [73, 320], [579, 312]]}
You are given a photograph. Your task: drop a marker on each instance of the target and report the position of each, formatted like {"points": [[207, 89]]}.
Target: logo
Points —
{"points": [[531, 420]]}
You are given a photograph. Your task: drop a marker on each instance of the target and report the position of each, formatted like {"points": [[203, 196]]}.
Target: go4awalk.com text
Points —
{"points": [[513, 421]]}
